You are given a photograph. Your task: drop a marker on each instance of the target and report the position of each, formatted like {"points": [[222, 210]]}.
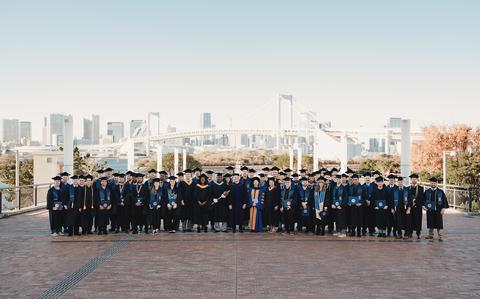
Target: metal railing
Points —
{"points": [[461, 197], [22, 197]]}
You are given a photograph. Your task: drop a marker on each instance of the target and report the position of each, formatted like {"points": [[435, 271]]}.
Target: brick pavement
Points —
{"points": [[209, 265]]}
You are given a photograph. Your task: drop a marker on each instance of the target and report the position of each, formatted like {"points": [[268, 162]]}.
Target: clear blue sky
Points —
{"points": [[354, 62]]}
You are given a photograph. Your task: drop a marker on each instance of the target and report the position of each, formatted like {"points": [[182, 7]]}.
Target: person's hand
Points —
{"points": [[442, 211], [385, 208], [281, 209], [244, 206], [229, 207], [275, 208], [174, 205], [359, 204], [393, 211], [109, 207], [333, 206], [376, 208], [339, 207], [368, 202], [408, 211]]}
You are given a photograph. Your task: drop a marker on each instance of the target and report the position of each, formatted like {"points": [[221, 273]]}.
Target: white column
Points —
{"points": [[68, 144], [290, 152], [405, 149], [159, 158], [175, 161], [315, 151], [131, 155], [388, 140], [184, 160], [147, 141], [299, 158], [344, 152]]}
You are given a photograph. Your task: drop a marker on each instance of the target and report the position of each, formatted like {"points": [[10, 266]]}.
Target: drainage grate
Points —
{"points": [[71, 280]]}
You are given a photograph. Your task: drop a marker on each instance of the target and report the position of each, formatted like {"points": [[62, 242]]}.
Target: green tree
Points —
{"points": [[384, 164], [83, 164], [464, 170], [7, 171], [167, 163]]}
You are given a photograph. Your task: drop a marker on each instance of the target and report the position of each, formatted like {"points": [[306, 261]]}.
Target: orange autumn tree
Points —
{"points": [[427, 154]]}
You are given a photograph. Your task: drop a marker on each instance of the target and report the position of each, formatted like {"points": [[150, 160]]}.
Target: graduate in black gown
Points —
{"points": [[339, 202], [72, 211], [186, 189], [219, 206], [288, 203], [154, 206], [271, 205], [391, 188], [122, 205], [414, 210], [138, 197], [172, 203], [319, 208], [435, 203], [56, 204], [399, 207], [368, 209], [238, 203], [381, 202], [305, 200], [356, 201], [103, 200], [86, 205], [202, 202]]}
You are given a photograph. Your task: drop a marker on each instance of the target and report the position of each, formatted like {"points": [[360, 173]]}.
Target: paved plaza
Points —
{"points": [[249, 265]]}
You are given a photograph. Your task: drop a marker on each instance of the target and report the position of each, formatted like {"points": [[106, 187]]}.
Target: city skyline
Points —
{"points": [[414, 60]]}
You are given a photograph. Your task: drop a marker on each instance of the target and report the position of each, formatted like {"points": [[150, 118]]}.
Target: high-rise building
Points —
{"points": [[87, 131], [206, 120], [394, 122], [136, 126], [53, 129], [153, 123], [25, 132], [116, 130], [95, 129], [9, 130]]}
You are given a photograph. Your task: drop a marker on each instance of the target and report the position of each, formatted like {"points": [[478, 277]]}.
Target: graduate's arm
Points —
{"points": [[311, 199], [420, 197], [295, 199], [49, 200], [445, 204]]}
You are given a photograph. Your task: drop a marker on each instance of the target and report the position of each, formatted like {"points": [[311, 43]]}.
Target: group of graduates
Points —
{"points": [[272, 200]]}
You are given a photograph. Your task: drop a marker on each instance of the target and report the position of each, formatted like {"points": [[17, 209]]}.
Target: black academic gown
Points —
{"points": [[415, 197], [187, 199], [271, 200], [219, 209], [86, 204], [438, 200], [201, 207], [381, 214]]}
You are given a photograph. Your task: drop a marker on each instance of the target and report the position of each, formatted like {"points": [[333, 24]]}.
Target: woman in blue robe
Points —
{"points": [[255, 194]]}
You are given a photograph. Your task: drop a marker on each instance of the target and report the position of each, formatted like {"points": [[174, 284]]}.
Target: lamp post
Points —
{"points": [[444, 162]]}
